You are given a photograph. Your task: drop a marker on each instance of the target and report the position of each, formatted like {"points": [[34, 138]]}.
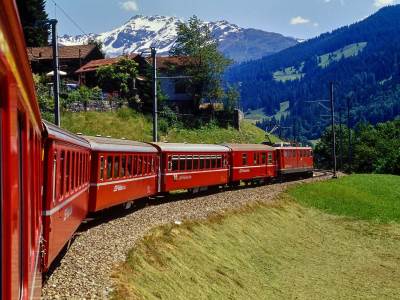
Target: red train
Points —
{"points": [[51, 179]]}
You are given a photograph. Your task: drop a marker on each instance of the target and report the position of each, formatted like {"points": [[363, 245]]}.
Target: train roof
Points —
{"points": [[118, 145], [293, 148], [56, 133], [249, 147], [182, 147]]}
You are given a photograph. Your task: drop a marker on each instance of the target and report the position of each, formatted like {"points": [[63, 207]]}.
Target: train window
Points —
{"points": [[202, 162], [213, 162], [189, 163], [255, 158], [62, 186], [101, 175], [175, 163], [116, 166], [169, 163], [129, 166], [219, 162], [244, 159], [195, 162], [134, 163], [182, 162], [263, 158], [79, 170], [72, 174], [68, 172], [148, 165], [140, 167], [21, 196], [269, 158], [123, 166], [109, 166], [152, 165], [207, 162]]}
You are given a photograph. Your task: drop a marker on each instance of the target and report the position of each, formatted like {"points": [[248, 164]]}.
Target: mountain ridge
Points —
{"points": [[362, 59], [140, 32]]}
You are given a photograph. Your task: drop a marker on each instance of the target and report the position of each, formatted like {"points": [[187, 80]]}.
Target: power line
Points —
{"points": [[69, 18]]}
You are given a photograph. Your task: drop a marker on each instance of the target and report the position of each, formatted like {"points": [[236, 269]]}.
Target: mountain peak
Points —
{"points": [[141, 32]]}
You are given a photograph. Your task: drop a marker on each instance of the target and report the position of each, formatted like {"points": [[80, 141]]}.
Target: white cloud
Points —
{"points": [[299, 20], [129, 6], [316, 24], [381, 3]]}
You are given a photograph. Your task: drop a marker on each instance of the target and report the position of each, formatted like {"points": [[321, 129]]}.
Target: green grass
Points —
{"points": [[289, 74], [135, 126], [345, 52], [278, 251], [366, 197], [254, 115], [281, 252]]}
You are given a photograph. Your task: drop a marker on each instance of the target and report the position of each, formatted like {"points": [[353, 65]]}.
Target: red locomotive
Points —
{"points": [[51, 179]]}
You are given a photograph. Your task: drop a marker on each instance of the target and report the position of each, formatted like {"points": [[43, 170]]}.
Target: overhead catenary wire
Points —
{"points": [[69, 17]]}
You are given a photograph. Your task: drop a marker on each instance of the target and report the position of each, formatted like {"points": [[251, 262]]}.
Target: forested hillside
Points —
{"points": [[362, 59]]}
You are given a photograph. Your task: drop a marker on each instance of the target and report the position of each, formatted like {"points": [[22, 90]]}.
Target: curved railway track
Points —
{"points": [[85, 270]]}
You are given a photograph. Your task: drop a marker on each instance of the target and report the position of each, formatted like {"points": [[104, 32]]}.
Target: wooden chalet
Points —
{"points": [[71, 58]]}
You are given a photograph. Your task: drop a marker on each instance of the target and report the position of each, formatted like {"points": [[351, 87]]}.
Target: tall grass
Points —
{"points": [[367, 197], [283, 251]]}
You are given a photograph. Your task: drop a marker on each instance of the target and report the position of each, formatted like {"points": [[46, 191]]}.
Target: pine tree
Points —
{"points": [[32, 12]]}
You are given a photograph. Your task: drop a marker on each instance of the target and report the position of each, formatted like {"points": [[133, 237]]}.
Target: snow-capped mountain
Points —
{"points": [[142, 32]]}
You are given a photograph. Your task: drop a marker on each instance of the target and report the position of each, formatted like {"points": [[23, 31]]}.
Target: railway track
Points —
{"points": [[85, 270]]}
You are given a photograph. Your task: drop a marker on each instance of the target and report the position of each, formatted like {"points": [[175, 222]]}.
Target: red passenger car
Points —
{"points": [[190, 166], [122, 171], [20, 165], [251, 162], [66, 186], [295, 160]]}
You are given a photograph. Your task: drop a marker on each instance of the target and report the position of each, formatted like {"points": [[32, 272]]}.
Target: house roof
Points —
{"points": [[64, 52], [163, 62], [93, 65]]}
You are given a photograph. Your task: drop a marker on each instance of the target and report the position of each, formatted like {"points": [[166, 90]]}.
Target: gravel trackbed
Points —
{"points": [[101, 244]]}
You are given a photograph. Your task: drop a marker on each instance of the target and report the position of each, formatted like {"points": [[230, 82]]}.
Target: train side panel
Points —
{"points": [[122, 177], [66, 199], [20, 160], [192, 166]]}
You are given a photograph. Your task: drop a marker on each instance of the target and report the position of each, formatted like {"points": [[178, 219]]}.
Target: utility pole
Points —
{"points": [[155, 108], [56, 74], [333, 130], [349, 127], [340, 140]]}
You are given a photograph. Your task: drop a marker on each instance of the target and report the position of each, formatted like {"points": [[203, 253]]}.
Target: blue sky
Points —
{"points": [[297, 18]]}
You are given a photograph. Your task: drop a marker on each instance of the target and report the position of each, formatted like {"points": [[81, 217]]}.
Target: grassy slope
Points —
{"points": [[279, 251], [135, 126], [367, 197], [345, 52]]}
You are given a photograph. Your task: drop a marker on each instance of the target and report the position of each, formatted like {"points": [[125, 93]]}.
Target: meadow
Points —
{"points": [[327, 240]]}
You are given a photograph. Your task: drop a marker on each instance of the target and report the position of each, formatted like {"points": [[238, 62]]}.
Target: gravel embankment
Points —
{"points": [[84, 272]]}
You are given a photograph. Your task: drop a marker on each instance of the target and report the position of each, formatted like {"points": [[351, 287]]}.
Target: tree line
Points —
{"points": [[365, 149]]}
